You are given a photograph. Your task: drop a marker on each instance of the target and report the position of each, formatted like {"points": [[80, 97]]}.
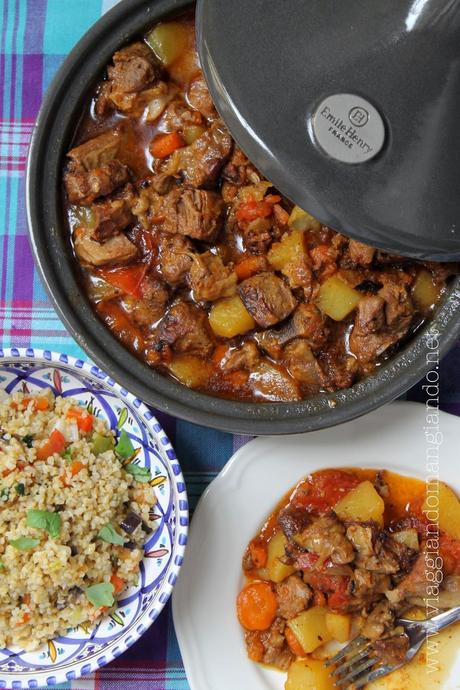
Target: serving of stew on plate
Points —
{"points": [[199, 266], [347, 552]]}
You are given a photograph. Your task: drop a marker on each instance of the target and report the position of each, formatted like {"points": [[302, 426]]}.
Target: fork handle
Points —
{"points": [[442, 620]]}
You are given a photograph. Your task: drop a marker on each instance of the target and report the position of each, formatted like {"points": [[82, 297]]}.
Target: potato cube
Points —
{"points": [[308, 674], [408, 537], [168, 41], [441, 497], [229, 317], [339, 626], [277, 570], [424, 292], [190, 370], [302, 220], [310, 628], [362, 503], [337, 299], [289, 248]]}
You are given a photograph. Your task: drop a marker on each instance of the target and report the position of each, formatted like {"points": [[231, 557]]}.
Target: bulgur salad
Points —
{"points": [[74, 513]]}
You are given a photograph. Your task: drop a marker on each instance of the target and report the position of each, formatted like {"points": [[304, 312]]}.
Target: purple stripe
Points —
{"points": [[23, 270], [35, 26], [32, 85]]}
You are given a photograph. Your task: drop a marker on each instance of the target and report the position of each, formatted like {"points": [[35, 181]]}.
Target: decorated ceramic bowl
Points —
{"points": [[84, 649]]}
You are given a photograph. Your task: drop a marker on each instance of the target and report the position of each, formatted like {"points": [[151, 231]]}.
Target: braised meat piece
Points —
{"points": [[381, 321], [175, 254], [111, 217], [134, 69], [293, 520], [392, 650], [193, 212], [379, 621], [199, 98], [245, 357], [84, 187], [117, 250], [267, 298], [258, 235], [239, 171], [299, 274], [360, 253], [95, 152], [367, 587], [185, 329], [210, 279], [293, 596], [178, 115], [416, 583], [303, 364], [200, 163], [147, 310], [325, 537], [307, 322], [276, 650]]}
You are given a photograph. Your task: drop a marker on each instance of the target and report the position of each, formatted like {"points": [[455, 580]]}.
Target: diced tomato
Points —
{"points": [[127, 278], [324, 489], [272, 198], [76, 467], [118, 583], [165, 144], [83, 418], [306, 561], [25, 619], [334, 586], [251, 210], [55, 444], [41, 404], [249, 266], [219, 353]]}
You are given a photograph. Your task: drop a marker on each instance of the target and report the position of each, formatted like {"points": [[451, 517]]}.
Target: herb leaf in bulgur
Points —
{"points": [[44, 519], [20, 489], [24, 543], [100, 594], [124, 447], [140, 474], [109, 534], [100, 444], [28, 440]]}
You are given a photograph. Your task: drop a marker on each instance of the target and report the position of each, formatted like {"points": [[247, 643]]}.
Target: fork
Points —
{"points": [[356, 665]]}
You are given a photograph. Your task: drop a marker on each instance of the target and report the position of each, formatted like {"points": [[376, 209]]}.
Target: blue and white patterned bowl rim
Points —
{"points": [[52, 675]]}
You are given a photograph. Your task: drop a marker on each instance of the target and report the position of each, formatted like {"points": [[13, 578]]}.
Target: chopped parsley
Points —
{"points": [[109, 534], [44, 519]]}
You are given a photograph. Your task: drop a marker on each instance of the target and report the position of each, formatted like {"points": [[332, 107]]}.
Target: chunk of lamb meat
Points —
{"points": [[193, 212], [95, 152], [299, 274], [307, 322], [267, 298], [148, 309], [111, 217], [245, 357], [367, 587], [239, 172], [276, 650], [379, 621], [174, 258], [361, 253], [258, 235], [210, 279], [303, 365], [293, 520], [185, 329], [325, 537], [414, 586], [114, 251], [377, 551], [381, 321], [199, 98], [293, 597], [83, 187], [134, 69], [392, 650], [200, 163]]}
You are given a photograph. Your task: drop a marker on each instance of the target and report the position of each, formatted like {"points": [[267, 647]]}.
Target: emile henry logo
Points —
{"points": [[345, 132]]}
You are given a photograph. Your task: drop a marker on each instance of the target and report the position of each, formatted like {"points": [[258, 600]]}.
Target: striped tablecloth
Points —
{"points": [[35, 36]]}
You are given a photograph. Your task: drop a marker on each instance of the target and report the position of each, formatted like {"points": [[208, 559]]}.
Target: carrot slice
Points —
{"points": [[127, 278], [118, 583], [256, 606], [249, 266], [55, 444], [294, 644], [165, 144]]}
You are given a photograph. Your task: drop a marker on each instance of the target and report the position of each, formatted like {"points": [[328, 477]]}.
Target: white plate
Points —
{"points": [[236, 504]]}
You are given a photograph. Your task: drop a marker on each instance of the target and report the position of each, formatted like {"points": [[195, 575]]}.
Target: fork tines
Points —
{"points": [[358, 667]]}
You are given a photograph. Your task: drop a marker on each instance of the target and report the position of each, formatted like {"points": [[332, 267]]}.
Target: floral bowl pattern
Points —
{"points": [[84, 649]]}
